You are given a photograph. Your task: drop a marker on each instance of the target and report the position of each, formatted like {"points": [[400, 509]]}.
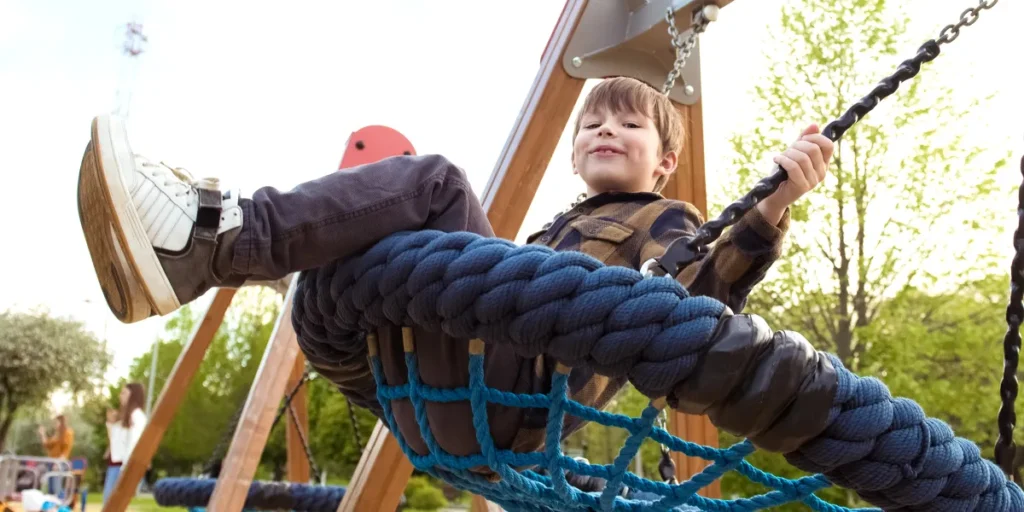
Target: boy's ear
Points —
{"points": [[667, 165]]}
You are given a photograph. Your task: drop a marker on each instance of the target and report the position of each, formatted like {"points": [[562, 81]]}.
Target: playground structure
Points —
{"points": [[570, 57], [56, 477], [574, 53]]}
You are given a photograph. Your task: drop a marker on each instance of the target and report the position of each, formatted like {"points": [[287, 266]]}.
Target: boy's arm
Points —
{"points": [[734, 264]]}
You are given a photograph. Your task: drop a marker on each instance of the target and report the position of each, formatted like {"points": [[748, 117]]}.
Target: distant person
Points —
{"points": [[124, 428], [58, 446]]}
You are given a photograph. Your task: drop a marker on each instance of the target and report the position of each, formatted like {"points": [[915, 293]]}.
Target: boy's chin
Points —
{"points": [[602, 186]]}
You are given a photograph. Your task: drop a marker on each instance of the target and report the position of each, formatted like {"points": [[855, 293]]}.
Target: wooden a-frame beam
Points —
{"points": [[269, 386], [170, 399], [298, 428], [688, 184]]}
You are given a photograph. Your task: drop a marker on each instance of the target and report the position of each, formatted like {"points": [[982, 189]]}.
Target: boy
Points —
{"points": [[160, 239]]}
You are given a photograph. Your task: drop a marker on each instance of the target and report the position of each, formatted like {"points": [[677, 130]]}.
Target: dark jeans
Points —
{"points": [[348, 211]]}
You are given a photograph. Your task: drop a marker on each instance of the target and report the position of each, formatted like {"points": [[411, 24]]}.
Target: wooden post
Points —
{"points": [[170, 399], [380, 477], [540, 124], [688, 184], [298, 464], [258, 414]]}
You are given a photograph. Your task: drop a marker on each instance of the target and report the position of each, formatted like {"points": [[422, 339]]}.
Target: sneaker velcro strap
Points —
{"points": [[208, 216]]}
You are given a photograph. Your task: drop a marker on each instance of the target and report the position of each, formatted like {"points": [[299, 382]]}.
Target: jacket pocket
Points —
{"points": [[601, 238]]}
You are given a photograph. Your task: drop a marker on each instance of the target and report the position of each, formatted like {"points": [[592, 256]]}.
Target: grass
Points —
{"points": [[94, 503], [141, 503]]}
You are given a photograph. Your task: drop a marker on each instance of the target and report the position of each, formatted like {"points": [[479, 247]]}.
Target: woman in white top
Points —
{"points": [[124, 427]]}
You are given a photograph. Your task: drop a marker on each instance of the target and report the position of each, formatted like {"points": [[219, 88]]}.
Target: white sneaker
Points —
{"points": [[153, 232]]}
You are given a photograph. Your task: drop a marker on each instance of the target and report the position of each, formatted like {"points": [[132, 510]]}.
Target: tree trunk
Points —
{"points": [[844, 336], [5, 424], [860, 300]]}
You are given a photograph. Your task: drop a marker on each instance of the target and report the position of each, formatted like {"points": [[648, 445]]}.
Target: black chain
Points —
{"points": [[212, 466], [1005, 448], [305, 445], [950, 32], [688, 249], [287, 407], [355, 424]]}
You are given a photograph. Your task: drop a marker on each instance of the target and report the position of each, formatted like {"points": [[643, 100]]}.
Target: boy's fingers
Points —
{"points": [[818, 160], [811, 129], [803, 159], [823, 142], [807, 166], [794, 172], [812, 150]]}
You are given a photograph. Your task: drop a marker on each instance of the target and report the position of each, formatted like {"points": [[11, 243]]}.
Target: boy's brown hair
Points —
{"points": [[624, 94]]}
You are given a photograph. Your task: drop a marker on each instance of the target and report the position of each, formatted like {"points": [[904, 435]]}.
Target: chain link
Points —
{"points": [[683, 48], [1005, 449], [970, 15]]}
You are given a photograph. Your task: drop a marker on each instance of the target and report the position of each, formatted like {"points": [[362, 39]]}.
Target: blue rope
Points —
{"points": [[571, 307], [195, 493]]}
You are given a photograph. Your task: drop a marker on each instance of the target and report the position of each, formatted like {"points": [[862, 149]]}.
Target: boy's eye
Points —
{"points": [[591, 126], [631, 125]]}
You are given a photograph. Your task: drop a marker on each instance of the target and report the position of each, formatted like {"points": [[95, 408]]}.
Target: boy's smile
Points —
{"points": [[619, 152]]}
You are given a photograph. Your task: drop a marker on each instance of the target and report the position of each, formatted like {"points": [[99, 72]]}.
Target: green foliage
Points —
{"points": [[332, 437], [904, 190], [600, 444], [882, 262], [219, 387], [41, 354], [422, 494]]}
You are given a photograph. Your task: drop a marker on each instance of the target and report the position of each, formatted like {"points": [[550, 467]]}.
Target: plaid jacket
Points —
{"points": [[627, 229]]}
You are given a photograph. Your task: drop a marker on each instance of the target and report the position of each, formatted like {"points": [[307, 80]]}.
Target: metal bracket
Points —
{"points": [[630, 38]]}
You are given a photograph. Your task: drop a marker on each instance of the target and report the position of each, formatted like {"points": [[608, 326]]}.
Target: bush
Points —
{"points": [[422, 494]]}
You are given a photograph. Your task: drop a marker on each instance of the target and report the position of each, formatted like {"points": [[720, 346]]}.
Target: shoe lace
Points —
{"points": [[177, 180]]}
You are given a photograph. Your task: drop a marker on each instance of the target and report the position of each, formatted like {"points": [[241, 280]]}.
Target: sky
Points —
{"points": [[259, 94]]}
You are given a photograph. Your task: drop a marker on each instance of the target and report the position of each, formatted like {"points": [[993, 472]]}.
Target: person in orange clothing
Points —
{"points": [[58, 446]]}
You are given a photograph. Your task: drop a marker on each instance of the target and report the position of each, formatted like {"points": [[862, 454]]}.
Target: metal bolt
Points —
{"points": [[688, 90], [710, 12], [577, 62]]}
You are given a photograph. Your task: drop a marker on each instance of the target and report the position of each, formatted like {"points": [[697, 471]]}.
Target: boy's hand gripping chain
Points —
{"points": [[688, 249]]}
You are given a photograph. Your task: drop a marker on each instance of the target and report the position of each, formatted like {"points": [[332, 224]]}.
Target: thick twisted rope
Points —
{"points": [[196, 492], [573, 308]]}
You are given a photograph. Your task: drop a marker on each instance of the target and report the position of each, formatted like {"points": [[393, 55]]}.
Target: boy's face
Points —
{"points": [[619, 152]]}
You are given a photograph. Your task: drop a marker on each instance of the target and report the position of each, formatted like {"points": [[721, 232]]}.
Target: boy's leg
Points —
{"points": [[346, 212], [159, 239]]}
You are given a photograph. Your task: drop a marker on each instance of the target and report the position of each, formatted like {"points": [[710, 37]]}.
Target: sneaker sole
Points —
{"points": [[127, 267], [125, 298]]}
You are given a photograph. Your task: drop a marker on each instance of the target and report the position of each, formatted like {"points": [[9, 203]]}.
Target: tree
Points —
{"points": [[894, 228], [941, 350], [220, 386], [332, 438], [40, 354], [901, 205]]}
